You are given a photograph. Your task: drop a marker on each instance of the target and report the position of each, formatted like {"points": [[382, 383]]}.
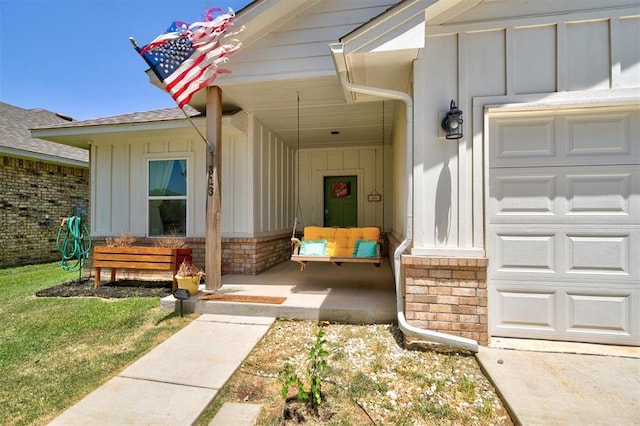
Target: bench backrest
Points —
{"points": [[341, 241]]}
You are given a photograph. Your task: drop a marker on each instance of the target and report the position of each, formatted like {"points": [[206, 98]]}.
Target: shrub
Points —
{"points": [[316, 366], [170, 241], [122, 240]]}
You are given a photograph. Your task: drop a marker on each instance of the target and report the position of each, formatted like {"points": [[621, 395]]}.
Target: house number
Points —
{"points": [[210, 181]]}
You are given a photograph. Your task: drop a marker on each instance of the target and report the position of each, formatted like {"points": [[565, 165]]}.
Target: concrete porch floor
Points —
{"points": [[354, 293]]}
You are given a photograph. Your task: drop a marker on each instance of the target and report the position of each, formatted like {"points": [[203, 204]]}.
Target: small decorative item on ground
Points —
{"points": [[188, 277]]}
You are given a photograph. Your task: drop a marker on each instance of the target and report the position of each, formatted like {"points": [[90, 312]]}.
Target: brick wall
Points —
{"points": [[251, 256], [32, 189], [447, 295], [246, 256]]}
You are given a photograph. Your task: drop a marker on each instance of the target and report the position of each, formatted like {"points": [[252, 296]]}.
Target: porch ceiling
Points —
{"points": [[323, 109]]}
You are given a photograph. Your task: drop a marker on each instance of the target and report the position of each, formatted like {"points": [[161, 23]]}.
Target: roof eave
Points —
{"points": [[389, 43], [388, 31], [82, 136], [43, 157]]}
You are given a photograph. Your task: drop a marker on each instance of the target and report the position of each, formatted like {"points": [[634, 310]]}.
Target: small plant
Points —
{"points": [[122, 240], [485, 411], [289, 378], [439, 411], [316, 366], [362, 385], [188, 269], [170, 241]]}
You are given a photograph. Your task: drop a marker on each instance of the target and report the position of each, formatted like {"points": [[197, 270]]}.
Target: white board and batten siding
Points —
{"points": [[119, 181], [256, 171], [545, 181], [272, 171], [363, 162]]}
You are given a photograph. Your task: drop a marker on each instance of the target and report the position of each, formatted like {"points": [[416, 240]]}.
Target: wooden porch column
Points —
{"points": [[213, 242]]}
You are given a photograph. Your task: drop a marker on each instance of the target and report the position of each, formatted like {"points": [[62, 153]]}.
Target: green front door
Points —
{"points": [[341, 201]]}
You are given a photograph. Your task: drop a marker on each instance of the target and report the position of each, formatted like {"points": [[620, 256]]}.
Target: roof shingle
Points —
{"points": [[166, 114], [15, 123]]}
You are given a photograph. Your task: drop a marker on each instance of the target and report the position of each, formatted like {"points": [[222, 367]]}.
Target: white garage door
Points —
{"points": [[563, 232]]}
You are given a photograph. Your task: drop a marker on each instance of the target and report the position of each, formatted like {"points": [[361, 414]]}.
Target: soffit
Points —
{"points": [[381, 52], [292, 58]]}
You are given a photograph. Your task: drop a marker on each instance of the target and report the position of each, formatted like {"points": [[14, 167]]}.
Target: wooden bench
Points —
{"points": [[340, 245], [141, 258]]}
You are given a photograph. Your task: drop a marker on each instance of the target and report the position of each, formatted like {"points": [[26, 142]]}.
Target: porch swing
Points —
{"points": [[332, 244]]}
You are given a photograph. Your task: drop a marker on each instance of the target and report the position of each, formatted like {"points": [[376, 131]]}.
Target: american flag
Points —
{"points": [[186, 57]]}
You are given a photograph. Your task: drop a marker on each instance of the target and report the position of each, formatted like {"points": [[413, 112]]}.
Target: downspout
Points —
{"points": [[405, 327]]}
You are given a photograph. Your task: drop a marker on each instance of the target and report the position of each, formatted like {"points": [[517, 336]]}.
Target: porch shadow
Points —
{"points": [[354, 293]]}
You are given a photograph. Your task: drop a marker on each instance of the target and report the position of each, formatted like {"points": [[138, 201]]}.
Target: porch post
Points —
{"points": [[213, 242]]}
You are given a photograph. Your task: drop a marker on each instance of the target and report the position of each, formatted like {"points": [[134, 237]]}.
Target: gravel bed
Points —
{"points": [[374, 377]]}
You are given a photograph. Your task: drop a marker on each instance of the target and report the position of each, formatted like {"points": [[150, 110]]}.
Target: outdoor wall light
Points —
{"points": [[47, 221], [452, 122]]}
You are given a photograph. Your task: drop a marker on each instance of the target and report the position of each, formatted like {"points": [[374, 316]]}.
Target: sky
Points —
{"points": [[73, 57]]}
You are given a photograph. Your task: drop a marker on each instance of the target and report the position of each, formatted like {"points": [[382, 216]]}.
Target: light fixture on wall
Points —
{"points": [[452, 122]]}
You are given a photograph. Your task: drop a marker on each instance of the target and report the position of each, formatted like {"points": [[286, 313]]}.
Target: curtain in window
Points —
{"points": [[183, 168], [159, 178]]}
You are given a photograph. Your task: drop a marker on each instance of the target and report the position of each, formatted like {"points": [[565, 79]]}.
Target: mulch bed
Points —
{"points": [[112, 290]]}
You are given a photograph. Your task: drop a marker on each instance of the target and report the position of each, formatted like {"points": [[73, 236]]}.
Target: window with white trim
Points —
{"points": [[167, 197]]}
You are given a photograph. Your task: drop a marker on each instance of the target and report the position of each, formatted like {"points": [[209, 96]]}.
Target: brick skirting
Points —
{"points": [[250, 256], [246, 256], [447, 295]]}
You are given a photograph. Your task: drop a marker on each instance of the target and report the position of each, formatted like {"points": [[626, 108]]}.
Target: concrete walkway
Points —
{"points": [[176, 381], [547, 388]]}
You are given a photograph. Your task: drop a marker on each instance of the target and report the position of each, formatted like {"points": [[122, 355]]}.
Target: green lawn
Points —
{"points": [[54, 351]]}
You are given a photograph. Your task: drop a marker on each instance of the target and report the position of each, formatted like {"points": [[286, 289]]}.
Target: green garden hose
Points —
{"points": [[75, 246]]}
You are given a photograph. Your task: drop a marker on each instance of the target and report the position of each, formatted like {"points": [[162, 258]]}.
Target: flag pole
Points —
{"points": [[213, 239], [135, 46]]}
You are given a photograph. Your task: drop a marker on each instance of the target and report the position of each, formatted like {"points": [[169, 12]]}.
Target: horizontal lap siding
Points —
{"points": [[300, 45]]}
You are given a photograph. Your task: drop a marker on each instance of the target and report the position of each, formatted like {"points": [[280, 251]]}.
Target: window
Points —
{"points": [[167, 197]]}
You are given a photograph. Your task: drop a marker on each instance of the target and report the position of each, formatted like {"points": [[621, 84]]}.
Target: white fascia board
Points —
{"points": [[401, 27], [411, 39], [232, 123], [115, 128], [445, 10]]}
